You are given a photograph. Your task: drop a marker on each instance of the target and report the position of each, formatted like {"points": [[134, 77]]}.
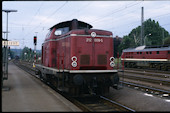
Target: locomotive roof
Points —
{"points": [[69, 23], [148, 48]]}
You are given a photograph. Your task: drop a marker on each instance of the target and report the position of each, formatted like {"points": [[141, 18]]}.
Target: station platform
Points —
{"points": [[28, 94]]}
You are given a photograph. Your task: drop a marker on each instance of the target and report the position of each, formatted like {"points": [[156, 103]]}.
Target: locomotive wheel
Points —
{"points": [[158, 67], [125, 64], [40, 75], [128, 65], [164, 68], [44, 77], [74, 91], [150, 66]]}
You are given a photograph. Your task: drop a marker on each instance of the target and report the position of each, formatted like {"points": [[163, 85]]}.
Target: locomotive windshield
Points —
{"points": [[48, 34]]}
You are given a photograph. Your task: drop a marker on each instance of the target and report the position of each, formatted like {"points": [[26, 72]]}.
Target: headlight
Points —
{"points": [[112, 59], [74, 64], [112, 64], [74, 58]]}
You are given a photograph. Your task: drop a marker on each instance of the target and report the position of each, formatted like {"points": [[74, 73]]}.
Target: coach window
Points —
{"points": [[150, 52], [146, 52], [168, 52], [157, 52]]}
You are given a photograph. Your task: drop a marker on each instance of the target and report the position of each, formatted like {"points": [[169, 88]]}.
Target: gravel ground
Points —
{"points": [[138, 100]]}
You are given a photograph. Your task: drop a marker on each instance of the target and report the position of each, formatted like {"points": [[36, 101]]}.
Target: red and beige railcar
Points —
{"points": [[157, 57], [78, 59]]}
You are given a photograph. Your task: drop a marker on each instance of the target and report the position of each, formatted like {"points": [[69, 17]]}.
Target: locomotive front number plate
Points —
{"points": [[95, 40]]}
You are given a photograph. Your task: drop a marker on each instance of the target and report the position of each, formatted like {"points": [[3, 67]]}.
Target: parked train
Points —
{"points": [[157, 57], [78, 59]]}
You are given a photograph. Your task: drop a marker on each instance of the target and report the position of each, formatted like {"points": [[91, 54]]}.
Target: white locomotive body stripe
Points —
{"points": [[135, 59], [93, 71], [51, 70]]}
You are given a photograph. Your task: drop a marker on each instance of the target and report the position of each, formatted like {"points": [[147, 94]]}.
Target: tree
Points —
{"points": [[12, 54], [150, 27], [167, 41], [28, 55], [156, 31]]}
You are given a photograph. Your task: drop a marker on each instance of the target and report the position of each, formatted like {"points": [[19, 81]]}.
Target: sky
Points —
{"points": [[34, 18]]}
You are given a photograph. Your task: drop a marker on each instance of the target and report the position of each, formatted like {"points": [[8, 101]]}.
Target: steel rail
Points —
{"points": [[124, 107], [147, 87], [154, 80]]}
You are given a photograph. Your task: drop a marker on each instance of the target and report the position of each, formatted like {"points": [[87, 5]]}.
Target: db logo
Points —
{"points": [[93, 34]]}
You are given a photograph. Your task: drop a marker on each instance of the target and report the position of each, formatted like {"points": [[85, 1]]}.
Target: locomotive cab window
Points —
{"points": [[65, 30], [48, 34], [61, 31], [58, 32]]}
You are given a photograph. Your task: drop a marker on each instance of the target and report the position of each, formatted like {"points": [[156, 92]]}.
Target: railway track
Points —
{"points": [[146, 70], [156, 73], [149, 76], [98, 103], [152, 90], [147, 79], [26, 67], [88, 103]]}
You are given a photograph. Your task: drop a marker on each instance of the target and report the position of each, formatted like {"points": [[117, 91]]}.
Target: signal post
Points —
{"points": [[35, 43]]}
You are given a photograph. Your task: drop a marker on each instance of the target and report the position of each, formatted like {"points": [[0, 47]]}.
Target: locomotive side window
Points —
{"points": [[168, 52], [150, 52], [157, 52]]}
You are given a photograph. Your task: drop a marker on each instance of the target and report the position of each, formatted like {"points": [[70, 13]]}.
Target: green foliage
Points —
{"points": [[156, 31], [167, 41], [150, 27], [12, 54], [28, 55], [24, 53]]}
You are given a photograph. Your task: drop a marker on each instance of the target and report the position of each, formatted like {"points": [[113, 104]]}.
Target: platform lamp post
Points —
{"points": [[5, 74], [4, 52], [146, 37]]}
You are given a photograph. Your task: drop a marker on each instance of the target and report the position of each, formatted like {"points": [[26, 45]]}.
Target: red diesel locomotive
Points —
{"points": [[78, 59], [157, 57]]}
